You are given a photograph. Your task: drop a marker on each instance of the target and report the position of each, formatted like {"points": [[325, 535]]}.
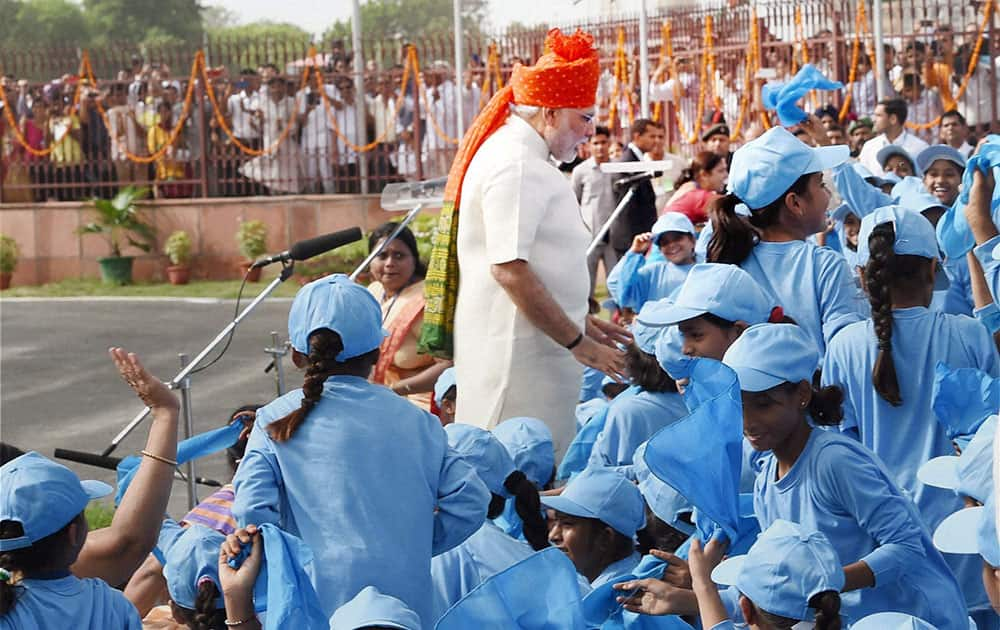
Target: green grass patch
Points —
{"points": [[99, 514], [226, 289]]}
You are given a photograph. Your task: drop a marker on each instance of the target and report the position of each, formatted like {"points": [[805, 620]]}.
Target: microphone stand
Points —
{"points": [[287, 268], [614, 215]]}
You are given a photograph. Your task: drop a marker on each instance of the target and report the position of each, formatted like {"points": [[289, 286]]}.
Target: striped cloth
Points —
{"points": [[215, 511]]}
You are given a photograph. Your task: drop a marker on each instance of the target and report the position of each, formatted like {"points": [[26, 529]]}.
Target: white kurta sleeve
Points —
{"points": [[514, 204]]}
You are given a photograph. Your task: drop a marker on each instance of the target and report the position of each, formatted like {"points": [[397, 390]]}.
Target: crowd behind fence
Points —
{"points": [[242, 118]]}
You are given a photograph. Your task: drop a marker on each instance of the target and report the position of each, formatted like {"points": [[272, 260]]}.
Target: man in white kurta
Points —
{"points": [[517, 206]]}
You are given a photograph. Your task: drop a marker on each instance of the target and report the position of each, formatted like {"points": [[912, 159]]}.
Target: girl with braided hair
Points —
{"points": [[361, 475], [885, 365], [490, 550]]}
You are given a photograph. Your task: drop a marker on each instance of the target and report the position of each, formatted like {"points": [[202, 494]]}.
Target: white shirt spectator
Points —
{"points": [[241, 107], [869, 152]]}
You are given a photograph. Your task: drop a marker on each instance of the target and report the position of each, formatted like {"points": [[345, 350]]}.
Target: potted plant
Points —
{"points": [[118, 221], [178, 250], [8, 260], [252, 240]]}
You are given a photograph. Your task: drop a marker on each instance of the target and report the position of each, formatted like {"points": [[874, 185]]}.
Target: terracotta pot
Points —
{"points": [[179, 274], [5, 280], [254, 274]]}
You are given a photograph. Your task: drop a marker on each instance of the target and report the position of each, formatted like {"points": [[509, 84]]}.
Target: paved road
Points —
{"points": [[58, 387]]}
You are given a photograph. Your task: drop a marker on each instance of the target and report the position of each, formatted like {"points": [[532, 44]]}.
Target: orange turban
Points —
{"points": [[566, 75]]}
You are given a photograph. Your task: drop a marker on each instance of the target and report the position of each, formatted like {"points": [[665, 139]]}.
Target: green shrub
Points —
{"points": [[9, 254], [252, 238], [178, 248]]}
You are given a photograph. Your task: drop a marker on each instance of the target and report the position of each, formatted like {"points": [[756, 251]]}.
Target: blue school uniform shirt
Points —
{"points": [[957, 298], [366, 475], [812, 284], [457, 571], [617, 569], [635, 280], [83, 604], [906, 436], [991, 266], [839, 488], [632, 422]]}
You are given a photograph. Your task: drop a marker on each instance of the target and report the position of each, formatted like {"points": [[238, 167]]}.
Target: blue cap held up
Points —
{"points": [[484, 453], [782, 570], [914, 233], [529, 443], [783, 97], [42, 496], [765, 168], [665, 502], [962, 399], [371, 608], [725, 291], [605, 495], [767, 355], [338, 303]]}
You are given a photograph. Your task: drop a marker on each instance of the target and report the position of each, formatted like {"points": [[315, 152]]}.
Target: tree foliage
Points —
{"points": [[407, 19], [42, 23], [143, 20]]}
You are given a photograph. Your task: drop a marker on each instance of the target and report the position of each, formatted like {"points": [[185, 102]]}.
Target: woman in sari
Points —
{"points": [[398, 285]]}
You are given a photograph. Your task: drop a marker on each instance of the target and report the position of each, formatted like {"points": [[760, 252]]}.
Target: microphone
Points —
{"points": [[635, 179], [111, 463], [308, 248]]}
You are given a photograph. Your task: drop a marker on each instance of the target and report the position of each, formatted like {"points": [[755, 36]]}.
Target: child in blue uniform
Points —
{"points": [[780, 180], [191, 569], [885, 366], [489, 551], [636, 280], [42, 529], [362, 476], [789, 575], [595, 522], [829, 483]]}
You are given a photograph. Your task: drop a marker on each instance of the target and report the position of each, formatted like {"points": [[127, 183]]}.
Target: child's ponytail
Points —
{"points": [[827, 606], [878, 279], [529, 508], [207, 616], [732, 237]]}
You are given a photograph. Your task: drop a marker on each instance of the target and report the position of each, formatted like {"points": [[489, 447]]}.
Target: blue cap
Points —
{"points": [[783, 97], [370, 608], [765, 168], [646, 334], [43, 497], [529, 443], [891, 621], [890, 150], [840, 212], [338, 303], [915, 235], [670, 354], [444, 382], [871, 178], [969, 474], [665, 502], [911, 194], [971, 531], [782, 570], [962, 399], [937, 152], [192, 558], [725, 291], [484, 453], [672, 222], [606, 495], [767, 355]]}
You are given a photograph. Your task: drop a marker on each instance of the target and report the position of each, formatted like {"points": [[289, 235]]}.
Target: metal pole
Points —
{"points": [[614, 215], [643, 59], [174, 383], [359, 92], [185, 387], [412, 214], [459, 79], [879, 50], [278, 351]]}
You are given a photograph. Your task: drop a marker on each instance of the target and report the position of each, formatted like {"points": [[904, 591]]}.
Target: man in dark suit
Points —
{"points": [[640, 213]]}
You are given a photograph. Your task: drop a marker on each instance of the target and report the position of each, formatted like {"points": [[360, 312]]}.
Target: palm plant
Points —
{"points": [[117, 221]]}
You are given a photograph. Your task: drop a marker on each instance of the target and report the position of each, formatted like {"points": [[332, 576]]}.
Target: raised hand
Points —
{"points": [[150, 390]]}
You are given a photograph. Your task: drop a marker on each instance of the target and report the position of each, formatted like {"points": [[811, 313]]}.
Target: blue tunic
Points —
{"points": [[906, 436], [83, 604], [632, 422], [635, 280], [366, 475], [812, 284], [457, 571], [839, 488]]}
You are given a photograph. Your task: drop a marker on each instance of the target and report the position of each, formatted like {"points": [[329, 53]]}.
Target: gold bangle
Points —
{"points": [[158, 458]]}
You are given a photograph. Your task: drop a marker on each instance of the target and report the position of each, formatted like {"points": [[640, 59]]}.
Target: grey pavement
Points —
{"points": [[59, 388]]}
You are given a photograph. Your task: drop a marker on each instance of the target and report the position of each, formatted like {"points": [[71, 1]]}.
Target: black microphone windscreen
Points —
{"points": [[308, 248]]}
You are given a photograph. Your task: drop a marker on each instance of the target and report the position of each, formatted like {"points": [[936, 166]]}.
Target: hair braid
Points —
{"points": [[324, 346], [827, 605], [878, 278], [529, 508], [206, 615]]}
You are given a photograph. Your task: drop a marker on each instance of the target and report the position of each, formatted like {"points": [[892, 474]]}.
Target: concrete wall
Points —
{"points": [[51, 250]]}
